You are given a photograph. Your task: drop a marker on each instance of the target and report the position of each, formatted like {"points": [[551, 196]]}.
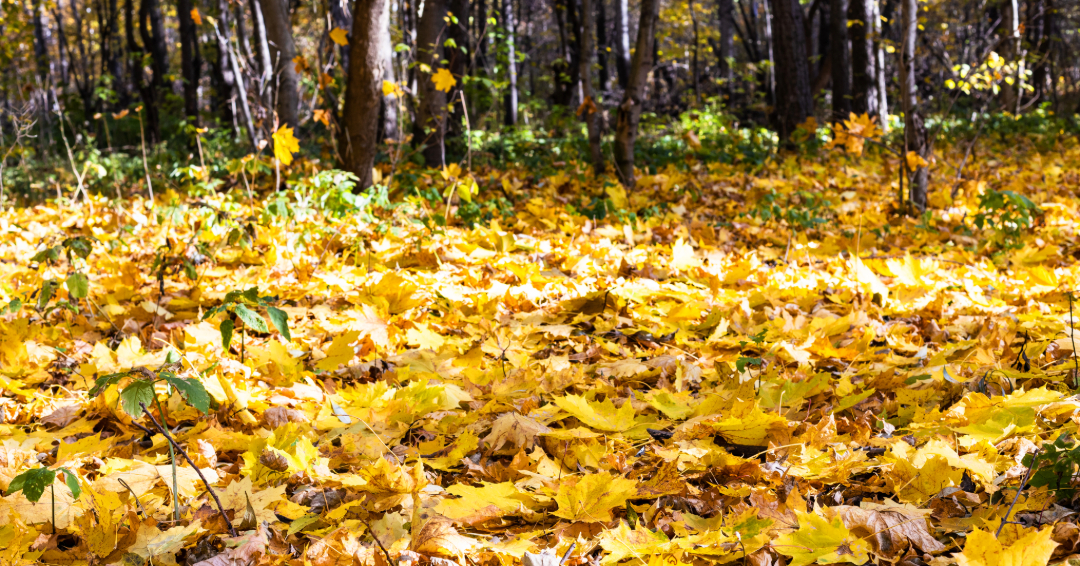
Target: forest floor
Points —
{"points": [[761, 365]]}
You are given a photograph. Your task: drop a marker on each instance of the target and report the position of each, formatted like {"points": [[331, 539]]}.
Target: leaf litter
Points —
{"points": [[706, 381]]}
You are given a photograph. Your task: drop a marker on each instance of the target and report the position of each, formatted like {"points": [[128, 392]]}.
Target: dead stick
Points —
{"points": [[221, 509]]}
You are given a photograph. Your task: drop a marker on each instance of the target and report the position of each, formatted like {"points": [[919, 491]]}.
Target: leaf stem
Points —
{"points": [[213, 494], [172, 461], [1027, 475]]}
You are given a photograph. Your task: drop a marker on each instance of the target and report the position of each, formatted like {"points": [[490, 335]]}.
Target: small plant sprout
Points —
{"points": [[241, 306], [33, 482]]}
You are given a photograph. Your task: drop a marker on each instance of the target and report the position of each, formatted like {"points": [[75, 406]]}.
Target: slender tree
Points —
{"points": [[841, 59], [429, 128], [725, 15], [282, 52], [590, 110], [879, 68], [190, 60], [510, 98], [793, 100], [262, 52], [864, 98], [363, 91], [622, 42], [914, 128], [634, 97]]}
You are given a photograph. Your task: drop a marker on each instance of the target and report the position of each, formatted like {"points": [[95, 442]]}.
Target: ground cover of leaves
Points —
{"points": [[702, 384]]}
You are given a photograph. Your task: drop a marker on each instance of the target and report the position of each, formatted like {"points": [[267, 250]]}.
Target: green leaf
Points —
{"points": [[78, 285], [105, 381], [280, 321], [172, 357], [251, 319], [32, 483], [72, 482], [14, 306], [192, 390], [226, 333], [136, 392], [48, 287], [251, 295]]}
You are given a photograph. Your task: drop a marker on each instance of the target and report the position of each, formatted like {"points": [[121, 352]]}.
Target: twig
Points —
{"points": [[1027, 475], [568, 552], [377, 541], [221, 509], [1072, 337], [136, 497]]}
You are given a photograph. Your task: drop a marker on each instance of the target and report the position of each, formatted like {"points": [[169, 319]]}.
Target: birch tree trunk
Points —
{"points": [[914, 129]]}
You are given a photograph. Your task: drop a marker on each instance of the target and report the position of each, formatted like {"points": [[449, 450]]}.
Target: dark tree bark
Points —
{"points": [[363, 91], [603, 44], [190, 60], [634, 97], [565, 66], [457, 53], [430, 125], [152, 33], [339, 15], [282, 52], [793, 101], [863, 75], [725, 12], [510, 99], [841, 59], [622, 42], [695, 71], [590, 110], [41, 60], [914, 128], [135, 71], [226, 78]]}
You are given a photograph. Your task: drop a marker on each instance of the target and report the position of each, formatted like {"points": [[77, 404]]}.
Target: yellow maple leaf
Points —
{"points": [[590, 498], [339, 36], [818, 541], [285, 145], [196, 17], [984, 549], [443, 80], [599, 415], [914, 161], [390, 88]]}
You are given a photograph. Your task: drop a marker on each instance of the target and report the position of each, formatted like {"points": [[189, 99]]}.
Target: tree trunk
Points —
{"points": [[879, 57], [224, 78], [1011, 51], [363, 90], [622, 42], [388, 109], [725, 12], [238, 83], [339, 15], [262, 48], [603, 45], [863, 77], [41, 60], [590, 109], [152, 32], [634, 97], [430, 126], [190, 61], [841, 60], [282, 52], [510, 99], [793, 101], [914, 129], [457, 53], [695, 72]]}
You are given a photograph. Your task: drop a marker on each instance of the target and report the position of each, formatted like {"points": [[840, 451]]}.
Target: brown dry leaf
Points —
{"points": [[889, 532]]}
